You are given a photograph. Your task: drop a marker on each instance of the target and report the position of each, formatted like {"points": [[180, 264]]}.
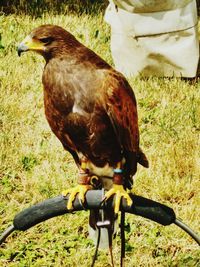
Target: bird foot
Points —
{"points": [[119, 192], [80, 189]]}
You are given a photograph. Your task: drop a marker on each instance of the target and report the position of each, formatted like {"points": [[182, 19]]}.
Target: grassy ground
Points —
{"points": [[34, 166]]}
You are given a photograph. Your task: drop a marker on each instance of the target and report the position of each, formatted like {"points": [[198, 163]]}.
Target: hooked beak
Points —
{"points": [[21, 48], [30, 44]]}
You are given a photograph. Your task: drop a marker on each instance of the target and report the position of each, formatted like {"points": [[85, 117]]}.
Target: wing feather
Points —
{"points": [[122, 111]]}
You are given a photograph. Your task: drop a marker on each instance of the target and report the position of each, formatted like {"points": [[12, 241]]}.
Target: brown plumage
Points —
{"points": [[89, 106]]}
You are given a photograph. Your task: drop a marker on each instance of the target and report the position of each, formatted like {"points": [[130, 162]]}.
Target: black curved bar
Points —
{"points": [[6, 233], [58, 206], [188, 230], [52, 207]]}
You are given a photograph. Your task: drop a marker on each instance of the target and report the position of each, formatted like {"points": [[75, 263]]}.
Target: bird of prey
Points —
{"points": [[91, 108]]}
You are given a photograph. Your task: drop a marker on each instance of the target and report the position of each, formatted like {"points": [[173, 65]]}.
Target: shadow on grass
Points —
{"points": [[37, 8]]}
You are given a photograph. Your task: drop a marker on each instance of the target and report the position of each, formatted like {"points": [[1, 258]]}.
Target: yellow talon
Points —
{"points": [[80, 190], [119, 192]]}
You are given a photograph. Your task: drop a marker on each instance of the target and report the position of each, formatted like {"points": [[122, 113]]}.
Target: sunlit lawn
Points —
{"points": [[34, 166]]}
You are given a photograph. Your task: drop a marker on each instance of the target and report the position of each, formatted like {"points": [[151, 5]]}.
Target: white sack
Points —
{"points": [[162, 43]]}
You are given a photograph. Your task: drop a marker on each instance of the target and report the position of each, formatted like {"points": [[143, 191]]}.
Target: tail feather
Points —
{"points": [[142, 159]]}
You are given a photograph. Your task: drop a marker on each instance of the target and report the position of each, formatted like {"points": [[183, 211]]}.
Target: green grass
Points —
{"points": [[34, 166]]}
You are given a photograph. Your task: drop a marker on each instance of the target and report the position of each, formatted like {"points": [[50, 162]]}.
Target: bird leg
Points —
{"points": [[82, 187], [118, 190]]}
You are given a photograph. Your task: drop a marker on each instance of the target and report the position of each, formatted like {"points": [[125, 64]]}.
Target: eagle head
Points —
{"points": [[49, 41]]}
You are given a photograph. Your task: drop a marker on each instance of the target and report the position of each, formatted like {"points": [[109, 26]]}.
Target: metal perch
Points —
{"points": [[52, 207]]}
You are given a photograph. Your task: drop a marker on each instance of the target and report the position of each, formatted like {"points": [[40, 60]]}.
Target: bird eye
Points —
{"points": [[46, 40]]}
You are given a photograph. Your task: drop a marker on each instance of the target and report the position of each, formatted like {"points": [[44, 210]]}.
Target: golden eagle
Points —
{"points": [[91, 108]]}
